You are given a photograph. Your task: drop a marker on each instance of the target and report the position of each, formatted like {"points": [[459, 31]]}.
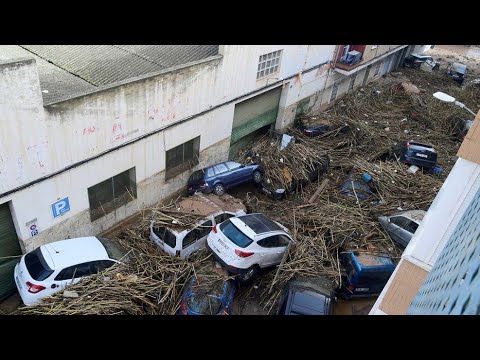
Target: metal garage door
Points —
{"points": [[9, 246], [253, 114]]}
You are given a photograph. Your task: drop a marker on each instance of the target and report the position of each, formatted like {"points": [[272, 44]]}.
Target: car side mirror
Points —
{"points": [[54, 286]]}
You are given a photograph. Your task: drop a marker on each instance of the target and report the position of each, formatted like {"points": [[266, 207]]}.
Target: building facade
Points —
{"points": [[91, 134]]}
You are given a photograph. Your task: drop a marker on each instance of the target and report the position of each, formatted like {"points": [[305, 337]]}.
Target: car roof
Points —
{"points": [[259, 223], [65, 253], [459, 67], [367, 260], [415, 215], [421, 55]]}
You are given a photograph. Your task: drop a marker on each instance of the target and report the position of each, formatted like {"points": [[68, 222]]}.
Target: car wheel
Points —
{"points": [[219, 189], [257, 177], [248, 275]]}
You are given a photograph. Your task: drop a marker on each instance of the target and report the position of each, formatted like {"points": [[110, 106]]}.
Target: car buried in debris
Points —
{"points": [[183, 240], [401, 226]]}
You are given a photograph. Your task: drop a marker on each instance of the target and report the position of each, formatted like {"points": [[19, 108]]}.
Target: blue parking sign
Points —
{"points": [[60, 207]]}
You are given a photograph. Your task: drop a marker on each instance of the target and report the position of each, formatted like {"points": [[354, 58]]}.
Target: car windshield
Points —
{"points": [[37, 266], [114, 251], [205, 299], [235, 235]]}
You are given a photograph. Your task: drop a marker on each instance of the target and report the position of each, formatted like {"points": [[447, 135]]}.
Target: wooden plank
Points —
{"points": [[322, 187]]}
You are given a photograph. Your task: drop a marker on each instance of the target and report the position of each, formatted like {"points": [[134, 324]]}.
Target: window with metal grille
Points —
{"points": [[182, 158], [268, 64], [112, 193]]}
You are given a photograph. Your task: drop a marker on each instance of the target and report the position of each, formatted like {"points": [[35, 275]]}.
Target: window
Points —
{"points": [[412, 227], [78, 271], [268, 64], [112, 193], [182, 158], [274, 241], [334, 91], [377, 278], [352, 82], [114, 251], [235, 235], [400, 221], [232, 165], [197, 233], [220, 169], [165, 235], [377, 69], [222, 217], [37, 266], [210, 173]]}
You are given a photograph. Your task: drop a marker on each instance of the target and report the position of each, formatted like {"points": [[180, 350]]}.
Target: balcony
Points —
{"points": [[349, 57]]}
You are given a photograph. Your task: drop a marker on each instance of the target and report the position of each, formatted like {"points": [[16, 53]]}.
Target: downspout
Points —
{"points": [[334, 61]]}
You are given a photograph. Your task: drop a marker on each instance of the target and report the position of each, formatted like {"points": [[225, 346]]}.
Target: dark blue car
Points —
{"points": [[213, 299], [217, 178]]}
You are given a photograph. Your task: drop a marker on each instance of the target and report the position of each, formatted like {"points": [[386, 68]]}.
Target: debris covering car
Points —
{"points": [[248, 243], [416, 60], [50, 268], [364, 274], [182, 240], [457, 71], [416, 153], [308, 296], [223, 176], [317, 129], [199, 298], [401, 226]]}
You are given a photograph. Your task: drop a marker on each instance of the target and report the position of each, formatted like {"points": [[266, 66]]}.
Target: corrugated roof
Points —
{"points": [[69, 70]]}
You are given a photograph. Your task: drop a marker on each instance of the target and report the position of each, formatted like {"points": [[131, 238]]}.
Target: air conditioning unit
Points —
{"points": [[353, 57]]}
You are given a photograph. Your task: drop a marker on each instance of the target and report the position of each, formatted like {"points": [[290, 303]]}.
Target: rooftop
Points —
{"points": [[66, 71]]}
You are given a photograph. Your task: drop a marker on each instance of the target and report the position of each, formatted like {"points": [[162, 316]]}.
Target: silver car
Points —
{"points": [[402, 226]]}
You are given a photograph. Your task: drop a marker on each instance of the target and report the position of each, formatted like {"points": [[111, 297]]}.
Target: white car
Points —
{"points": [[183, 241], [51, 267], [247, 243]]}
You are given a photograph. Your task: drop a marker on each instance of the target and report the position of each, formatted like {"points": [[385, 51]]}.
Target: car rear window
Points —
{"points": [[205, 299], [235, 235], [37, 266], [114, 251], [196, 177]]}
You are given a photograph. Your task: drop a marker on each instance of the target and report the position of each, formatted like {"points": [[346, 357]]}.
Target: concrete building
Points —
{"points": [[92, 133], [439, 270]]}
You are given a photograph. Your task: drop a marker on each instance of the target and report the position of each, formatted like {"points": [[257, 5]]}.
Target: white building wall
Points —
{"points": [[38, 141]]}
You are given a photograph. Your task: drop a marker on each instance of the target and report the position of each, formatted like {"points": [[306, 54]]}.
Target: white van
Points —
{"points": [[211, 210]]}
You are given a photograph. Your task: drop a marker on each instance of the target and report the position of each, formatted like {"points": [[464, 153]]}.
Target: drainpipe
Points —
{"points": [[334, 61]]}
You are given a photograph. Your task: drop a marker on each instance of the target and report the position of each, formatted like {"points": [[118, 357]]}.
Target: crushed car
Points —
{"points": [[210, 210], [457, 71], [308, 296], [364, 274], [401, 226], [415, 153], [414, 61]]}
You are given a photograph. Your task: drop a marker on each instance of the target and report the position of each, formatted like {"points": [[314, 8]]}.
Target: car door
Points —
{"points": [[237, 174], [275, 247], [71, 275], [222, 174], [195, 239]]}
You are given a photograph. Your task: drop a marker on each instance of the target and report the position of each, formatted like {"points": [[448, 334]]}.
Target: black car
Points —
{"points": [[415, 153], [457, 71], [415, 61], [308, 296], [218, 177], [320, 129]]}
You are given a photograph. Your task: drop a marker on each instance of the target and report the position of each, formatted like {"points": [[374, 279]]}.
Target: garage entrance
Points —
{"points": [[253, 116], [9, 246]]}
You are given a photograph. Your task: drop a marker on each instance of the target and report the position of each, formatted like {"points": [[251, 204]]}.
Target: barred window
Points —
{"points": [[268, 64], [182, 158], [112, 193]]}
